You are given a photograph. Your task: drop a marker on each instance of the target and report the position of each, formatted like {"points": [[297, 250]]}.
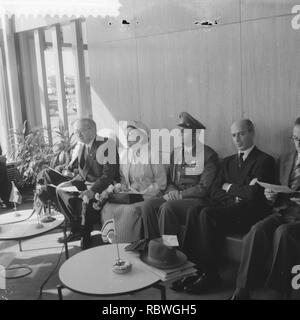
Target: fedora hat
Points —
{"points": [[163, 257], [188, 122]]}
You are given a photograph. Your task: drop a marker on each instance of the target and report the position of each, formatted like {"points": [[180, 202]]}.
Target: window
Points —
{"points": [[62, 73]]}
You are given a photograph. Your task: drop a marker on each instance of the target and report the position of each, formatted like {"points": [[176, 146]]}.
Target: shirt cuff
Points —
{"points": [[228, 187]]}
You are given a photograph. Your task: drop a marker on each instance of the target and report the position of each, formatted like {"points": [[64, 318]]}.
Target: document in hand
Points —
{"points": [[70, 189], [276, 188]]}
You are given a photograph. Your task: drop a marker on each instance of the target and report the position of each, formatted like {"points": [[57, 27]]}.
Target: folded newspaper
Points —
{"points": [[173, 273]]}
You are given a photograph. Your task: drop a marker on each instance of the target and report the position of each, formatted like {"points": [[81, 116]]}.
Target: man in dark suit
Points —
{"points": [[239, 202], [191, 181], [5, 185], [272, 247], [49, 178], [93, 177]]}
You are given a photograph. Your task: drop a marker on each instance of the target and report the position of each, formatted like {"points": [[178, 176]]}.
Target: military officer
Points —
{"points": [[190, 183]]}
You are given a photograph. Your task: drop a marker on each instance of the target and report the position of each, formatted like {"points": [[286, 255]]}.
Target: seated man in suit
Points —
{"points": [[191, 181], [48, 178], [239, 203], [272, 247], [93, 177], [5, 185]]}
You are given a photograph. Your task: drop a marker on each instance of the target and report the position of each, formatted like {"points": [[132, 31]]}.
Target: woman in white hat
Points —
{"points": [[138, 175]]}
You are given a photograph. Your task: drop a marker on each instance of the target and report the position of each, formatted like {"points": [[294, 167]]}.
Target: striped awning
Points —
{"points": [[60, 8]]}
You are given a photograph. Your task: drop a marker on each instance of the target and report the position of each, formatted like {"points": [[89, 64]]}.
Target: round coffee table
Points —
{"points": [[15, 216], [28, 228], [90, 273], [18, 230]]}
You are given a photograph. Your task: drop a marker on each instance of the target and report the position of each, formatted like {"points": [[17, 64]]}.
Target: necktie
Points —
{"points": [[240, 159], [83, 157], [87, 148], [295, 176]]}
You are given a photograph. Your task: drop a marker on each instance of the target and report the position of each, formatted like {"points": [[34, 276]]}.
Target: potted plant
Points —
{"points": [[62, 146], [31, 152]]}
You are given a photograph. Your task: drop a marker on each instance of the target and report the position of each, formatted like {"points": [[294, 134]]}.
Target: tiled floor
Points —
{"points": [[44, 252]]}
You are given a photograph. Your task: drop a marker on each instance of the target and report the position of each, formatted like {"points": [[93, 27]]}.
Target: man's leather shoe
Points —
{"points": [[204, 283], [85, 243], [7, 205], [70, 238], [180, 284]]}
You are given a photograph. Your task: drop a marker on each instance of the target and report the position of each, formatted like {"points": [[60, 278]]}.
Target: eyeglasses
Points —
{"points": [[295, 139]]}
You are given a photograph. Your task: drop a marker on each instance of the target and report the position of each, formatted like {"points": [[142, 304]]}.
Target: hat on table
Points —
{"points": [[163, 257]]}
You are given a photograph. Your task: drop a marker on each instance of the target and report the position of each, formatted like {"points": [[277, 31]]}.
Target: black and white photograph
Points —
{"points": [[149, 153]]}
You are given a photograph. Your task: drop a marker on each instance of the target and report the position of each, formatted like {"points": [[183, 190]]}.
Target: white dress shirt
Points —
{"points": [[245, 156], [246, 152]]}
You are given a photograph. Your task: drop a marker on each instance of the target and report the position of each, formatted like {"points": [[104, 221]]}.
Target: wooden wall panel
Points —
{"points": [[164, 66], [254, 9], [162, 16], [271, 82], [198, 72], [114, 85]]}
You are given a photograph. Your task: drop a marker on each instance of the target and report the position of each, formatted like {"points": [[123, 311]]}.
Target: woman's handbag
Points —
{"points": [[125, 197]]}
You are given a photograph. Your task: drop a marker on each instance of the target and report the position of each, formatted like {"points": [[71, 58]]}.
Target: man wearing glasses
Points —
{"points": [[272, 247], [93, 177]]}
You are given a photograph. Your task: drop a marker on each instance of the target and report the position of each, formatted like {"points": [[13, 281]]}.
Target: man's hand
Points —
{"points": [[88, 194], [174, 195], [296, 200], [270, 195], [67, 173], [226, 186]]}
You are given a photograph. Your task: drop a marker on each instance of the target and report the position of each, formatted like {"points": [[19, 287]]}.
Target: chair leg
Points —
{"points": [[65, 242], [59, 291]]}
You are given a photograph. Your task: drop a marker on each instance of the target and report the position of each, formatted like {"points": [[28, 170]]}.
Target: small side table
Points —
{"points": [[90, 273], [13, 229]]}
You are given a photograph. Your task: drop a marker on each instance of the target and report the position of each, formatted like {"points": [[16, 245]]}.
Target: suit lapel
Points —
{"points": [[286, 169]]}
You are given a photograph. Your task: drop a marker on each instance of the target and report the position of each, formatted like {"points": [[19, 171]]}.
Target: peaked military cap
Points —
{"points": [[188, 122]]}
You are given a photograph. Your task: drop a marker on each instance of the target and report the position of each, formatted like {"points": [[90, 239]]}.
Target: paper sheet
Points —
{"points": [[170, 240], [276, 188]]}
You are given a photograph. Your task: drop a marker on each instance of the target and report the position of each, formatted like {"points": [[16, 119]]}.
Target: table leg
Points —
{"points": [[20, 246], [59, 291], [162, 291]]}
